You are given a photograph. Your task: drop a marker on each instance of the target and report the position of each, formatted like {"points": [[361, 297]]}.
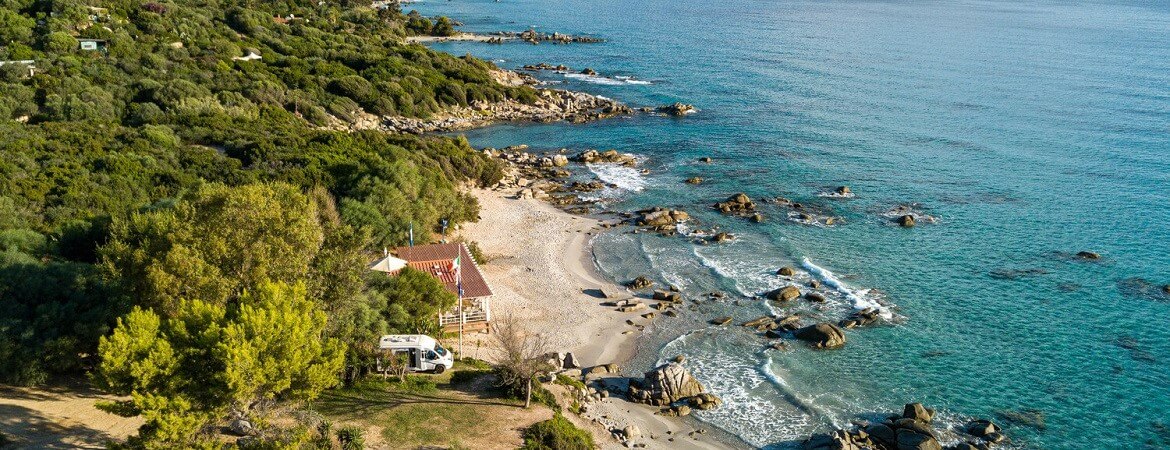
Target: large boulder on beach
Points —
{"points": [[784, 294], [664, 385], [822, 335]]}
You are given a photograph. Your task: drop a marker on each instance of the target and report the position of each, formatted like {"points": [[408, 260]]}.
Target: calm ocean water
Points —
{"points": [[1031, 129]]}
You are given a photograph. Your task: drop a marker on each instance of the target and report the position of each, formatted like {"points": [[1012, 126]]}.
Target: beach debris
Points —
{"points": [[721, 320], [786, 271], [784, 294], [822, 335], [677, 109]]}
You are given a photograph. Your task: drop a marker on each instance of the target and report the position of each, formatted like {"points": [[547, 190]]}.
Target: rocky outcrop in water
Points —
{"points": [[640, 283], [914, 429], [608, 156], [535, 37], [823, 335], [677, 109], [784, 294], [738, 204]]}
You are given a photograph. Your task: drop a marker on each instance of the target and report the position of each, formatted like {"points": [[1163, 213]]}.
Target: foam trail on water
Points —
{"points": [[857, 297], [625, 178], [595, 79]]}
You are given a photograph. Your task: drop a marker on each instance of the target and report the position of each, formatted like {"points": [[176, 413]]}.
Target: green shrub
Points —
{"points": [[557, 433], [351, 438], [467, 376], [569, 381]]}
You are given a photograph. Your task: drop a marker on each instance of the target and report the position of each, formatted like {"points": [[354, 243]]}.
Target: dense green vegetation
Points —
{"points": [[192, 225], [557, 433]]}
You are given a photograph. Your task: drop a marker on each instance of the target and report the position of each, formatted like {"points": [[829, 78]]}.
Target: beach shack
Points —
{"points": [[453, 265], [92, 45]]}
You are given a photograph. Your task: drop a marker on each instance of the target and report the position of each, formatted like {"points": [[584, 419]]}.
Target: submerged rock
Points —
{"points": [[906, 221], [1088, 255], [786, 271], [695, 180]]}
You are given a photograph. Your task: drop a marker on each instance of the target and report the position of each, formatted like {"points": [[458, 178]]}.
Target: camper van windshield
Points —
{"points": [[440, 350]]}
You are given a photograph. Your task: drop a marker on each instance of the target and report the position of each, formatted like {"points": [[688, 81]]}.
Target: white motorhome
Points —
{"points": [[423, 353]]}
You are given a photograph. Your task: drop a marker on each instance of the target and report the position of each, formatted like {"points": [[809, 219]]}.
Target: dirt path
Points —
{"points": [[62, 417]]}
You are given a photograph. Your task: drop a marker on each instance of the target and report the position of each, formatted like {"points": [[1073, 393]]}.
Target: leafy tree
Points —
{"points": [[410, 301], [214, 244], [207, 359]]}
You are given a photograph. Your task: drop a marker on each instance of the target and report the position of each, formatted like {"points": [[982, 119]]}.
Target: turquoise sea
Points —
{"points": [[1030, 129]]}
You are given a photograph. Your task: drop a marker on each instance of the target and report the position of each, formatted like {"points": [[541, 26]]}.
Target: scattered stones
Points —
{"points": [[677, 109], [668, 296], [823, 335], [533, 37], [905, 432], [640, 283], [864, 317]]}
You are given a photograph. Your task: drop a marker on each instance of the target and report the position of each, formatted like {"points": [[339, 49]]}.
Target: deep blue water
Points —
{"points": [[1030, 129]]}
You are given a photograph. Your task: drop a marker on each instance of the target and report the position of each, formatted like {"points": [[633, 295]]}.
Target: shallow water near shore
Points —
{"points": [[1031, 130]]}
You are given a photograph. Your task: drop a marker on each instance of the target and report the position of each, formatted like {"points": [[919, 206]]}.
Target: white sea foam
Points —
{"points": [[858, 297], [597, 79], [625, 178]]}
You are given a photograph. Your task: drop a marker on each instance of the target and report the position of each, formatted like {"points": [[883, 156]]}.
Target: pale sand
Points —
{"points": [[470, 37], [60, 418], [540, 261]]}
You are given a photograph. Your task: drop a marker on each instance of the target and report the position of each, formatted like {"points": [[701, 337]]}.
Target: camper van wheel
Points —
{"points": [[439, 369]]}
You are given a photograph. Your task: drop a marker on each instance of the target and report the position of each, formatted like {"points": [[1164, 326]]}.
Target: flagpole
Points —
{"points": [[459, 295]]}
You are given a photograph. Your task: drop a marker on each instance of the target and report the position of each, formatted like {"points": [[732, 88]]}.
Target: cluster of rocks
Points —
{"points": [[552, 105], [806, 214], [908, 216], [912, 430], [608, 156], [640, 283], [677, 109], [660, 219], [740, 205], [545, 66], [535, 37], [672, 387]]}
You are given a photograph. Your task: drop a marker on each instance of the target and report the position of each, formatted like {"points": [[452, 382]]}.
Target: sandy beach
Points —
{"points": [[540, 266]]}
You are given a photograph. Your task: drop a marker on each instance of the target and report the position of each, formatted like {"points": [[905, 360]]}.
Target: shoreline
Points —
{"points": [[536, 251]]}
